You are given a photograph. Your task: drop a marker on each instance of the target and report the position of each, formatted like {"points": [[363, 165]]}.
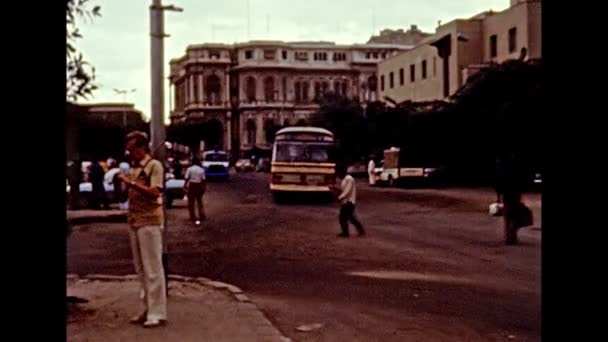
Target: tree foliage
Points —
{"points": [[497, 112], [80, 75]]}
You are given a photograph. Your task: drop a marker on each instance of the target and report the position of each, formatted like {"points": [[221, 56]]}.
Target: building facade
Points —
{"points": [[237, 93], [438, 66]]}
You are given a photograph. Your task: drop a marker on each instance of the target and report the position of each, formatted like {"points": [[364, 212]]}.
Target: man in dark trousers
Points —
{"points": [[510, 186], [348, 200], [99, 191]]}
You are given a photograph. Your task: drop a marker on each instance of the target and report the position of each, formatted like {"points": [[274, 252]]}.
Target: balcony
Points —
{"points": [[207, 105]]}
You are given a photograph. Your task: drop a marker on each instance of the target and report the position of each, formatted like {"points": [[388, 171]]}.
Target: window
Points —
{"points": [[305, 87], [384, 55], [248, 54], [391, 80], [269, 89], [214, 54], [250, 89], [344, 88], [434, 66], [493, 46], [412, 73], [195, 84], [213, 87], [320, 56], [368, 55], [284, 88], [298, 92], [339, 56], [317, 91], [251, 128], [372, 81], [269, 54], [382, 83], [424, 68], [284, 53], [376, 55], [302, 55], [324, 87], [512, 40], [401, 76]]}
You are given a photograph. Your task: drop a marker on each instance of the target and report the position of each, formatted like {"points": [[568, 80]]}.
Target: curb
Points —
{"points": [[236, 293]]}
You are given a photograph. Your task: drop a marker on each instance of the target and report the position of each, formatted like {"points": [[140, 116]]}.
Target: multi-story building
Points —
{"points": [[438, 66], [236, 93]]}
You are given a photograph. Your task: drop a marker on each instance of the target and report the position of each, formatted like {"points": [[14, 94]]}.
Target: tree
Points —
{"points": [[80, 75]]}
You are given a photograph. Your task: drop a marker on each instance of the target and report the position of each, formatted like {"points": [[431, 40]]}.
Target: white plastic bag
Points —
{"points": [[496, 209]]}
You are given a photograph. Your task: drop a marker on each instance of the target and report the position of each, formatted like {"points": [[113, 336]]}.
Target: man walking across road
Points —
{"points": [[348, 199], [195, 189], [371, 171], [146, 218]]}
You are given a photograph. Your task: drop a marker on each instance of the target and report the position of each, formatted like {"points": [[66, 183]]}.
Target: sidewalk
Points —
{"points": [[199, 310]]}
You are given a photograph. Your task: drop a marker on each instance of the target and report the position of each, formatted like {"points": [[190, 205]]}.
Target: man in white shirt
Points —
{"points": [[195, 189], [371, 167], [348, 200]]}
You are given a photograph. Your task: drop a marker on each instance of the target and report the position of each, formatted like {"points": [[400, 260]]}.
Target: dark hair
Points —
{"points": [[141, 139], [196, 161]]}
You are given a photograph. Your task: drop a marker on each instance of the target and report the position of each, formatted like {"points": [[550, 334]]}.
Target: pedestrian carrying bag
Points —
{"points": [[496, 208]]}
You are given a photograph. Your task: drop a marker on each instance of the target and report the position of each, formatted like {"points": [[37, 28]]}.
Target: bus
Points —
{"points": [[303, 160]]}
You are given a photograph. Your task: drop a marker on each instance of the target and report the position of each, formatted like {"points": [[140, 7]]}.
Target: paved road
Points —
{"points": [[433, 267]]}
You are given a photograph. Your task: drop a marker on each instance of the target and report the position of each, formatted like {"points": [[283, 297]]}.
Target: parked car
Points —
{"points": [[174, 189], [244, 165]]}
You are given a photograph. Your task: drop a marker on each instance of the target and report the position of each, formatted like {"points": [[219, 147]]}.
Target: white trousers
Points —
{"points": [[372, 179], [147, 248]]}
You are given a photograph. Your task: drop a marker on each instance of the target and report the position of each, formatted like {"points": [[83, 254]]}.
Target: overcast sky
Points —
{"points": [[118, 43]]}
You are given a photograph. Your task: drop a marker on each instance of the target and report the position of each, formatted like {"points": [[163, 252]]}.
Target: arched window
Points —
{"points": [[305, 91], [269, 130], [344, 88], [214, 89], [337, 87], [269, 89], [317, 91], [251, 132], [196, 95], [372, 81], [298, 92], [250, 89], [324, 87]]}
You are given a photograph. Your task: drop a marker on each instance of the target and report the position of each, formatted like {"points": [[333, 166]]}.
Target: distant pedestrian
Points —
{"points": [[120, 187], [74, 179], [510, 183], [146, 218], [195, 189], [371, 168], [348, 200], [99, 196]]}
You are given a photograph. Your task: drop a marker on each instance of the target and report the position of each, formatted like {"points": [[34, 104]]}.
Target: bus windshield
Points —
{"points": [[304, 152]]}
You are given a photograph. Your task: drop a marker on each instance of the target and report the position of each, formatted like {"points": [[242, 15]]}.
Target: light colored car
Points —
{"points": [[244, 165]]}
